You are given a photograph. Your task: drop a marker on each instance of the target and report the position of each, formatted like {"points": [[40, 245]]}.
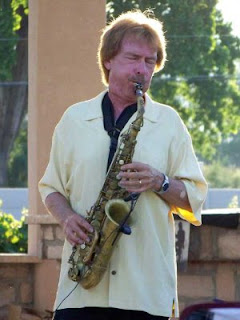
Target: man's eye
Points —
{"points": [[151, 62]]}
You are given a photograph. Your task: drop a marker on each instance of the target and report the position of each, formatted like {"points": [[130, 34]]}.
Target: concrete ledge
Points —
{"points": [[41, 219], [221, 211], [18, 258]]}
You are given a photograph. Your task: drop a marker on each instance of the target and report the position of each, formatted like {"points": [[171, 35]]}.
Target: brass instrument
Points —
{"points": [[110, 213]]}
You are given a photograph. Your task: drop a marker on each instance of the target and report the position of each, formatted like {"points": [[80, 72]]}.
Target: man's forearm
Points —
{"points": [[177, 194], [58, 206]]}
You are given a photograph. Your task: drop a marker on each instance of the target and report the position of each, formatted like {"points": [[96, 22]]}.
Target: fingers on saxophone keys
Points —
{"points": [[79, 237], [129, 175], [131, 183], [72, 238], [83, 223]]}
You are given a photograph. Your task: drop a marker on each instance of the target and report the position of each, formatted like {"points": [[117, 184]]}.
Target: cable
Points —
{"points": [[197, 77], [13, 83], [216, 35], [13, 39], [66, 297]]}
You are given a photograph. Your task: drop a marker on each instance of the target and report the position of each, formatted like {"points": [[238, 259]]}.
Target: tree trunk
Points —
{"points": [[13, 100], [3, 168]]}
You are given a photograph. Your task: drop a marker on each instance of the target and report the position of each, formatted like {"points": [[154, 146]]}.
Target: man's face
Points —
{"points": [[135, 62]]}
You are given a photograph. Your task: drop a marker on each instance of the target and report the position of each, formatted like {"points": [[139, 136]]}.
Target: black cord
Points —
{"points": [[133, 197], [64, 299]]}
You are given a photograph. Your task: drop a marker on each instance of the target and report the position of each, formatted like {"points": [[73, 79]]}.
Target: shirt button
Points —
{"points": [[114, 272]]}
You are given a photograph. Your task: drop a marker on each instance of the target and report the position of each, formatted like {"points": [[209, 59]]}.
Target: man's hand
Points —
{"points": [[139, 177], [75, 227]]}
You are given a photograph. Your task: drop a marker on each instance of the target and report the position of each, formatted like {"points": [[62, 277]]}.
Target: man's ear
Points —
{"points": [[107, 65]]}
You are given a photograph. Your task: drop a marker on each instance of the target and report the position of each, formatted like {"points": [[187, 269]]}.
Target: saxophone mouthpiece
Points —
{"points": [[138, 88], [138, 83]]}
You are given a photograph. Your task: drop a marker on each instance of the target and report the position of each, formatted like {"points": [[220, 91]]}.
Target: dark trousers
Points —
{"points": [[94, 313]]}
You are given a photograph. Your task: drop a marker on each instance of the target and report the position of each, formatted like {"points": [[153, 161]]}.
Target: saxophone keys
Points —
{"points": [[88, 272], [83, 246], [121, 162], [99, 215], [85, 259], [113, 185], [96, 224]]}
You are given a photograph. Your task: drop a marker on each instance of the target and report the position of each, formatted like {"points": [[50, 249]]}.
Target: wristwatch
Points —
{"points": [[164, 186]]}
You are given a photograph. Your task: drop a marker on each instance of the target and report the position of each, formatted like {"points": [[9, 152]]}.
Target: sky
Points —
{"points": [[231, 13]]}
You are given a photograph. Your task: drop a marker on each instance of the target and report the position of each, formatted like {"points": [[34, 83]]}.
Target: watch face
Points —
{"points": [[165, 183], [165, 186]]}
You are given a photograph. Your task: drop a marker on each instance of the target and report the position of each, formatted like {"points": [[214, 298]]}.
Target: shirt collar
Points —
{"points": [[150, 109], [95, 112]]}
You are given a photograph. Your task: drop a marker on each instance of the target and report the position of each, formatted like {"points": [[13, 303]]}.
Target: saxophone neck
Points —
{"points": [[140, 99]]}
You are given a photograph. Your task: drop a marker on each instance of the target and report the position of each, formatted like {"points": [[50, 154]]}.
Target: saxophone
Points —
{"points": [[109, 214]]}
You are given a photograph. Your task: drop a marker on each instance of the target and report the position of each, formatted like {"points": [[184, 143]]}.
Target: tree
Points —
{"points": [[199, 78], [13, 70], [229, 151], [17, 162]]}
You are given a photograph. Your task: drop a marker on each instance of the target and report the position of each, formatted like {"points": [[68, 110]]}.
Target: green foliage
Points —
{"points": [[8, 42], [15, 4], [219, 176], [228, 153], [17, 163], [9, 24], [13, 233], [199, 79]]}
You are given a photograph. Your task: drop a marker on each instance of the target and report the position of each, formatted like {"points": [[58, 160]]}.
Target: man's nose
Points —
{"points": [[141, 67]]}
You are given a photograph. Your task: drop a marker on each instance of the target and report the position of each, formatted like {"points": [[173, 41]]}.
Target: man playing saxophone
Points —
{"points": [[140, 280]]}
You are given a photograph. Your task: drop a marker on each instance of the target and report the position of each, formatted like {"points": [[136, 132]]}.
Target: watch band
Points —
{"points": [[164, 186]]}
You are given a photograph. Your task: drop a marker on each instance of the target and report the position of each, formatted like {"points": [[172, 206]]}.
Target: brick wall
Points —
{"points": [[16, 286], [206, 281], [53, 242], [213, 269]]}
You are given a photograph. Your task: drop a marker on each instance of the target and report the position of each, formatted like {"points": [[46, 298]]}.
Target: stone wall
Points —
{"points": [[16, 284], [213, 270], [206, 281]]}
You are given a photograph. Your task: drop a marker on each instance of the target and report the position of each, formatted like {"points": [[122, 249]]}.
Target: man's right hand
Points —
{"points": [[75, 227]]}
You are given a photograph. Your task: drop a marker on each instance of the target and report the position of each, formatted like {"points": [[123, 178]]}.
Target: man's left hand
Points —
{"points": [[139, 177]]}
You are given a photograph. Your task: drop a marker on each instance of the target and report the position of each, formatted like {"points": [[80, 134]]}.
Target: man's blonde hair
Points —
{"points": [[132, 23]]}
